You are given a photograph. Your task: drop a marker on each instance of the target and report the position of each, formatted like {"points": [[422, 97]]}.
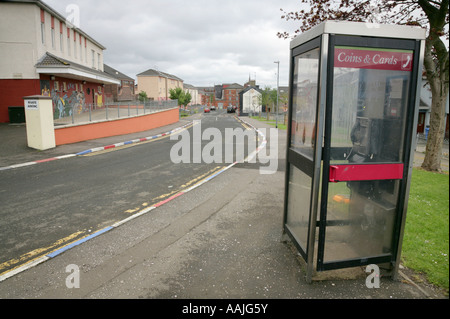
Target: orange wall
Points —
{"points": [[90, 131]]}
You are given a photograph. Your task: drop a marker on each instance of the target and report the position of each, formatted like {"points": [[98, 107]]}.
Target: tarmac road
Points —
{"points": [[219, 241], [47, 206]]}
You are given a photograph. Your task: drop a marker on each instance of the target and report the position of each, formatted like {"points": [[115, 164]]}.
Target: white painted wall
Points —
{"points": [[21, 45], [251, 101]]}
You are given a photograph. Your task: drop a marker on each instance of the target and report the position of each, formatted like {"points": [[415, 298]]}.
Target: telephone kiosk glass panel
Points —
{"points": [[370, 92]]}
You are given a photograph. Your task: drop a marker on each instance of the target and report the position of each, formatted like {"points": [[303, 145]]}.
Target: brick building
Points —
{"points": [[119, 93], [221, 96]]}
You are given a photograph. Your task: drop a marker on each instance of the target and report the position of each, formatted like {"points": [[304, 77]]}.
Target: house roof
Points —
{"points": [[232, 86], [189, 86], [51, 64], [116, 74], [152, 72], [248, 88]]}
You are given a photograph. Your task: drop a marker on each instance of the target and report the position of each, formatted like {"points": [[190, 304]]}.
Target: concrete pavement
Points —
{"points": [[218, 241]]}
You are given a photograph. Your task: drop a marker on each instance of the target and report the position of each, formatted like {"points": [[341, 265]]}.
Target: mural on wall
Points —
{"points": [[99, 100], [67, 103], [70, 98], [45, 87]]}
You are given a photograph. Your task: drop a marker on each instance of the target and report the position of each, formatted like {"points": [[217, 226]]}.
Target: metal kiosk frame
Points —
{"points": [[353, 109]]}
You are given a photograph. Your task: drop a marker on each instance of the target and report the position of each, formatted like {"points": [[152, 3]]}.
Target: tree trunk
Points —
{"points": [[436, 63], [433, 155]]}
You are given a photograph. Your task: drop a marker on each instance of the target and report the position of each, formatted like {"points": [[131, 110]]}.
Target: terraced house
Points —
{"points": [[42, 53], [157, 84]]}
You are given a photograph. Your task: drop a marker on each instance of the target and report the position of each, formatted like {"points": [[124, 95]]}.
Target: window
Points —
{"points": [[74, 44], [53, 38], [98, 61], [61, 46], [53, 32], [56, 86], [43, 32], [81, 50], [93, 58], [68, 41], [42, 26]]}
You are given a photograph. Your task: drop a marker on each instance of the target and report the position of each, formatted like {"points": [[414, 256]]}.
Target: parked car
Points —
{"points": [[231, 109], [206, 110], [213, 108]]}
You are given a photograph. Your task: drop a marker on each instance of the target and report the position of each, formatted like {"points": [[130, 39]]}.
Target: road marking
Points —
{"points": [[121, 146], [77, 242], [32, 255], [98, 149], [55, 252], [163, 197]]}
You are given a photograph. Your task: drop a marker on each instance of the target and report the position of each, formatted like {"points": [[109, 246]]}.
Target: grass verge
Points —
{"points": [[426, 239], [281, 126]]}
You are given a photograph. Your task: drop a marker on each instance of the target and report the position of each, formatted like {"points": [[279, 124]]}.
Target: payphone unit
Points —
{"points": [[353, 109]]}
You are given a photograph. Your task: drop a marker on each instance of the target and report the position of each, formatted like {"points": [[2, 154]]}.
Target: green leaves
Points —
{"points": [[184, 98]]}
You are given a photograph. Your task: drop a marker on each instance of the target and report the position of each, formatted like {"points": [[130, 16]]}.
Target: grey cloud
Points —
{"points": [[197, 40]]}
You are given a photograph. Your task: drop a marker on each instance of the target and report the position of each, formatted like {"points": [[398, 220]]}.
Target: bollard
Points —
{"points": [[39, 122]]}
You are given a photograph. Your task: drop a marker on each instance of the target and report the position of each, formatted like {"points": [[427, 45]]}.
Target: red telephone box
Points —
{"points": [[353, 112]]}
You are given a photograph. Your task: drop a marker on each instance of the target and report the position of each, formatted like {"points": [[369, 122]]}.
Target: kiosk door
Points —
{"points": [[302, 158], [368, 127]]}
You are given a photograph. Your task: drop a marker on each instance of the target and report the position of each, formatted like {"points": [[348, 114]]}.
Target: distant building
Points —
{"points": [[250, 100], [194, 92], [425, 110], [221, 95], [251, 83], [157, 84], [231, 94], [42, 54], [119, 93], [207, 95]]}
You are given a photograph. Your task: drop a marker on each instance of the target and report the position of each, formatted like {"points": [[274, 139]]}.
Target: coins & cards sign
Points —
{"points": [[377, 59]]}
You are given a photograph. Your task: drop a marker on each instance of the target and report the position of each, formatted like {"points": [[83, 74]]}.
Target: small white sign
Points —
{"points": [[31, 104]]}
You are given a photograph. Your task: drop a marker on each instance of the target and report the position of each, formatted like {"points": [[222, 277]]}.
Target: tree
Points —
{"points": [[187, 98], [269, 96], [265, 98], [430, 14], [142, 96], [184, 98]]}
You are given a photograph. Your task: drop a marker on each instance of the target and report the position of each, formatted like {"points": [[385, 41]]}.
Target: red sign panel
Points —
{"points": [[373, 59], [365, 172]]}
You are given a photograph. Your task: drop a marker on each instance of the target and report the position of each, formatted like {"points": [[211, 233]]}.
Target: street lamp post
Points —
{"points": [[278, 81]]}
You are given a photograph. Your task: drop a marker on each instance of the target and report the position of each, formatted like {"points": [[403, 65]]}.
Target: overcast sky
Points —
{"points": [[204, 42]]}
